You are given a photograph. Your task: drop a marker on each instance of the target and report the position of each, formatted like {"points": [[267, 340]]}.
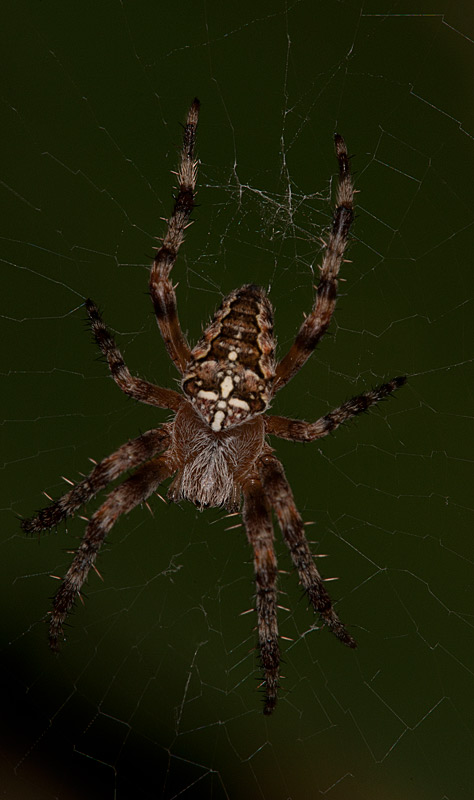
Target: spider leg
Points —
{"points": [[278, 491], [128, 456], [317, 322], [120, 501], [258, 524], [137, 388], [161, 289], [300, 431]]}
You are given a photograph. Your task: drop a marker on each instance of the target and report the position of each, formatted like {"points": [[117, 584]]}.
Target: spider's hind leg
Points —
{"points": [[317, 322], [141, 390], [161, 288]]}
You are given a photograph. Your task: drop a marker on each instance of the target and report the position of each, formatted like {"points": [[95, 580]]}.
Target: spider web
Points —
{"points": [[156, 692]]}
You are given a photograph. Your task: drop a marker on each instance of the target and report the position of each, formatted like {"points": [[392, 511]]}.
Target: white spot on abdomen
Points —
{"points": [[207, 395], [234, 401], [217, 421], [226, 386]]}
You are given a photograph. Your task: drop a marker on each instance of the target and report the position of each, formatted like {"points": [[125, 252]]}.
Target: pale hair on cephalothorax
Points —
{"points": [[216, 447]]}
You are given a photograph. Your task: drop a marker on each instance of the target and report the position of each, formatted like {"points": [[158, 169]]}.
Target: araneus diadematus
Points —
{"points": [[216, 445]]}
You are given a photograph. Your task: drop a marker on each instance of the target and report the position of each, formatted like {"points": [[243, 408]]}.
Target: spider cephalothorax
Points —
{"points": [[216, 445]]}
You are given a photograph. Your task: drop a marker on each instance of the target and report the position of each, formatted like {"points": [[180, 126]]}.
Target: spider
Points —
{"points": [[216, 446]]}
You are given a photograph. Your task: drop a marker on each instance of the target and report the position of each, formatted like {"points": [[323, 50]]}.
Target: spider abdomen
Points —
{"points": [[229, 378]]}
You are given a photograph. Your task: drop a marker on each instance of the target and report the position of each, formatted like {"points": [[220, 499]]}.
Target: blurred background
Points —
{"points": [[155, 694]]}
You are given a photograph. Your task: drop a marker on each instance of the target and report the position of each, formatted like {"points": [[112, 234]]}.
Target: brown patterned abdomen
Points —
{"points": [[230, 376]]}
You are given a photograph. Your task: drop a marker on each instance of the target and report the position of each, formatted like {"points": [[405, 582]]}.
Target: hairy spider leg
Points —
{"points": [[300, 431], [121, 500], [278, 491], [128, 456], [161, 289], [258, 523], [317, 322]]}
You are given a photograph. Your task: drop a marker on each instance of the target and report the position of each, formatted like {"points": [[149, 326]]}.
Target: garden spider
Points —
{"points": [[216, 445]]}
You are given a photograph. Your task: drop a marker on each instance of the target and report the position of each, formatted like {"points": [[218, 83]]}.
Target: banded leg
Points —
{"points": [[258, 524], [129, 456], [317, 322], [277, 489], [161, 289], [299, 431], [120, 501], [137, 388]]}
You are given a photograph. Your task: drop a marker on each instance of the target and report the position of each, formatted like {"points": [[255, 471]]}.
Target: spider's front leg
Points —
{"points": [[161, 289], [258, 523], [277, 489], [120, 501], [127, 457]]}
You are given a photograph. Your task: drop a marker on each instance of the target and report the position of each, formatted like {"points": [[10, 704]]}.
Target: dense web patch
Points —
{"points": [[160, 674]]}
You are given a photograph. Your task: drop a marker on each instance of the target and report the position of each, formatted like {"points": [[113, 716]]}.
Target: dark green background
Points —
{"points": [[155, 694]]}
